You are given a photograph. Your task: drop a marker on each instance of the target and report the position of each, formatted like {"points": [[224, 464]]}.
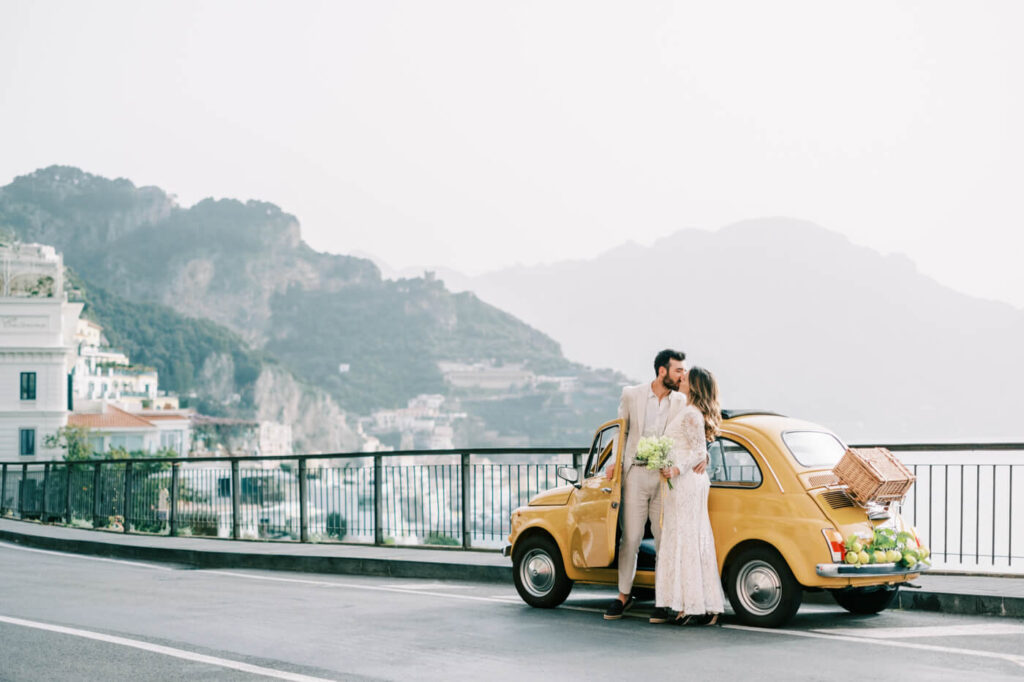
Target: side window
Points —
{"points": [[28, 441], [28, 385], [732, 466], [606, 442]]}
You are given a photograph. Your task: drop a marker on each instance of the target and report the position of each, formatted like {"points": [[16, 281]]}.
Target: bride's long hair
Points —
{"points": [[704, 396]]}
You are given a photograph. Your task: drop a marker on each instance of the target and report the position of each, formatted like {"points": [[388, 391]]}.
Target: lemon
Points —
{"points": [[857, 547], [852, 557], [879, 556], [893, 555], [863, 557]]}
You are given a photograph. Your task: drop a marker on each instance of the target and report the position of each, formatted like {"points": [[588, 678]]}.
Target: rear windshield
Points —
{"points": [[814, 448]]}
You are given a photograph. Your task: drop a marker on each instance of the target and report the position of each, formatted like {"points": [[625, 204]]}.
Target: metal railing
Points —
{"points": [[962, 503], [435, 497]]}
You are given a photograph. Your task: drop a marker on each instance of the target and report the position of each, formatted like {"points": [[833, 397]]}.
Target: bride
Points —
{"points": [[686, 575]]}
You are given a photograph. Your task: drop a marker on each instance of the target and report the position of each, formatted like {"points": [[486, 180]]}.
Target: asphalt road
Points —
{"points": [[70, 617]]}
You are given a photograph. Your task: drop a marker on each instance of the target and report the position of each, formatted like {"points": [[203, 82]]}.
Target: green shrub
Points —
{"points": [[436, 538], [337, 526], [200, 523]]}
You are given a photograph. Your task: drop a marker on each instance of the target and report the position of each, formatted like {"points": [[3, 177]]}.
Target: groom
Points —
{"points": [[647, 409]]}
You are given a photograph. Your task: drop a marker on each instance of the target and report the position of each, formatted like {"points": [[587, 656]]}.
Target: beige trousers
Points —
{"points": [[641, 500]]}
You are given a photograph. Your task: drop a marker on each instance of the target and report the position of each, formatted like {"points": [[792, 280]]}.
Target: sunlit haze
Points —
{"points": [[476, 135]]}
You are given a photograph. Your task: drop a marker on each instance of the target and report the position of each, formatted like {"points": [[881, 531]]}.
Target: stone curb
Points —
{"points": [[908, 599], [392, 568], [963, 604]]}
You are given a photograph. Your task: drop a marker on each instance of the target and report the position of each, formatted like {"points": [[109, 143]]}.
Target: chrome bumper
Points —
{"points": [[506, 550], [871, 570]]}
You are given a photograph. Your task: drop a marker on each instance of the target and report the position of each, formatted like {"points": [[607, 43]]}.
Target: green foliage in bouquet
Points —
{"points": [[886, 545], [653, 452]]}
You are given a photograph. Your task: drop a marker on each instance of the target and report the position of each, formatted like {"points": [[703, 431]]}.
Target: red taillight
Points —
{"points": [[836, 546]]}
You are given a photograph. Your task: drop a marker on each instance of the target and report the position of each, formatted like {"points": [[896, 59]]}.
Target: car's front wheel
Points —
{"points": [[539, 574], [761, 588], [865, 600]]}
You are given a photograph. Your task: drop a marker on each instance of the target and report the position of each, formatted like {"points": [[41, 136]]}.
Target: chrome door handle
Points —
{"points": [[606, 490]]}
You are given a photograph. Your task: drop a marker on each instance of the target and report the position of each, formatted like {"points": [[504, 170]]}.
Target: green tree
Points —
{"points": [[73, 440]]}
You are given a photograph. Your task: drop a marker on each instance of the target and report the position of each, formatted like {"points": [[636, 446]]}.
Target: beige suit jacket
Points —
{"points": [[633, 408]]}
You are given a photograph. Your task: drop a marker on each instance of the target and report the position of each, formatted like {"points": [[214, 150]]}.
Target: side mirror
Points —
{"points": [[568, 474]]}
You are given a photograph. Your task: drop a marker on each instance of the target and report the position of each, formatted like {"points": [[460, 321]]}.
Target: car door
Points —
{"points": [[736, 487], [594, 508]]}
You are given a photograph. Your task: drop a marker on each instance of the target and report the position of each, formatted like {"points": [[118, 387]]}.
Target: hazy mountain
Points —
{"points": [[245, 266], [792, 317]]}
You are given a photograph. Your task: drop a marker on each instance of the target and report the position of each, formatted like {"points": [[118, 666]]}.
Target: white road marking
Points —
{"points": [[431, 586], [164, 650], [848, 634], [1019, 660], [372, 588], [929, 631], [7, 545], [395, 590]]}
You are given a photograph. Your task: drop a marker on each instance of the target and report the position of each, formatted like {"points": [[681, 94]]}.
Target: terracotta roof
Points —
{"points": [[163, 417], [111, 418]]}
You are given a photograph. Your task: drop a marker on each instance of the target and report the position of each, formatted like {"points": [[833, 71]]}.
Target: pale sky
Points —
{"points": [[476, 135]]}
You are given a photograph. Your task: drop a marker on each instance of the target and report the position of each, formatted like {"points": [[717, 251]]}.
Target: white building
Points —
{"points": [[104, 373], [486, 376], [564, 384], [113, 427], [37, 350], [427, 404], [421, 425], [217, 436]]}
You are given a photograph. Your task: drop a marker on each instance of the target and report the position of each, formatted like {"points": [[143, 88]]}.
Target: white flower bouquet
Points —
{"points": [[653, 452]]}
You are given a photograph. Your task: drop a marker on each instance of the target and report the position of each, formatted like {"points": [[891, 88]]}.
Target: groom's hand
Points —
{"points": [[701, 468]]}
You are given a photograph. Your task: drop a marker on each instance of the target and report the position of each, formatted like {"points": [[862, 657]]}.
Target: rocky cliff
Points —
{"points": [[245, 266]]}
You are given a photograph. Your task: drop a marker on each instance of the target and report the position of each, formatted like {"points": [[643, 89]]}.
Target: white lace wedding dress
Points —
{"points": [[686, 577]]}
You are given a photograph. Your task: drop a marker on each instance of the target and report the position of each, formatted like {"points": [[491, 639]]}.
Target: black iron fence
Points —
{"points": [[962, 503], [450, 497]]}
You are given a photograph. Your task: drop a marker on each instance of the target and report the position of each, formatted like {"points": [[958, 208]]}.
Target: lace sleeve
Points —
{"points": [[690, 445]]}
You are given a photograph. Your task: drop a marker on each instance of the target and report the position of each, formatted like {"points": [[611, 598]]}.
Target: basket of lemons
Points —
{"points": [[886, 546]]}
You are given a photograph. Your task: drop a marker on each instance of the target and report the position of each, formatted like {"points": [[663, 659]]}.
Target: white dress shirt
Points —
{"points": [[656, 417]]}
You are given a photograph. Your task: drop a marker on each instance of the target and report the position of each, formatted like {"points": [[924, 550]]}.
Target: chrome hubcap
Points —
{"points": [[759, 587], [537, 572]]}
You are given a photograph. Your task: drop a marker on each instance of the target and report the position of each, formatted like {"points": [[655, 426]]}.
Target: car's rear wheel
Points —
{"points": [[539, 574], [761, 588], [866, 600]]}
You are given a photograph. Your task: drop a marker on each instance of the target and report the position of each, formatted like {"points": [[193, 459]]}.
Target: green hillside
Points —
{"points": [[243, 266], [392, 335], [176, 346]]}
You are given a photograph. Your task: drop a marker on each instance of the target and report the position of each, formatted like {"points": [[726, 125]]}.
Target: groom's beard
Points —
{"points": [[669, 384]]}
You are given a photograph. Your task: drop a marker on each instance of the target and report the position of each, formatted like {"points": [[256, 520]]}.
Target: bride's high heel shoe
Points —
{"points": [[702, 619]]}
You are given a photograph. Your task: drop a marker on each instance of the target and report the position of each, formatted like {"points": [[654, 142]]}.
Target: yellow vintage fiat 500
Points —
{"points": [[778, 513]]}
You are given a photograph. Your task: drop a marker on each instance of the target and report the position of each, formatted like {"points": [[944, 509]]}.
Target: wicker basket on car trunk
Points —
{"points": [[873, 475]]}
